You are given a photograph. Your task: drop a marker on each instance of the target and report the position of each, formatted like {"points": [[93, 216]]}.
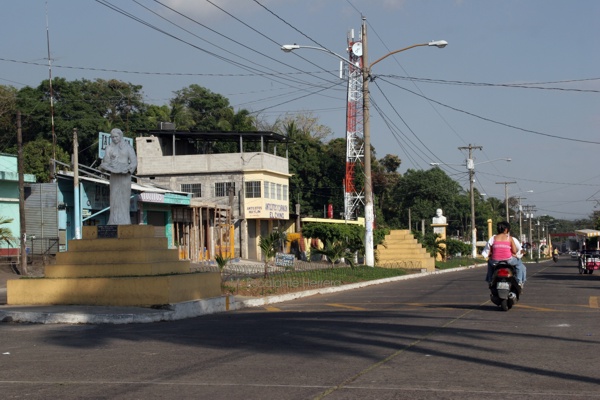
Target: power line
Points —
{"points": [[532, 85], [494, 121]]}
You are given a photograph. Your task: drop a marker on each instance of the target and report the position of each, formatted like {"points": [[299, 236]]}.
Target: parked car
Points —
{"points": [[574, 254]]}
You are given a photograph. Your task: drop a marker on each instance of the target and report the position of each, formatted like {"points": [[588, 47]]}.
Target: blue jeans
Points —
{"points": [[520, 267]]}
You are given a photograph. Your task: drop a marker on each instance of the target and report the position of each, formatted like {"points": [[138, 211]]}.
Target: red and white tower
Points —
{"points": [[355, 150]]}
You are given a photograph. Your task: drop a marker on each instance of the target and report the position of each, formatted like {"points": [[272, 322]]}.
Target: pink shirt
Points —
{"points": [[501, 250]]}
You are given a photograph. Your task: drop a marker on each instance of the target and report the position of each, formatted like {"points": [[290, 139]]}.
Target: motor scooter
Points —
{"points": [[504, 288], [555, 257]]}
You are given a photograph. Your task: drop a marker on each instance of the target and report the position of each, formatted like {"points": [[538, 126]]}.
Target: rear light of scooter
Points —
{"points": [[504, 273]]}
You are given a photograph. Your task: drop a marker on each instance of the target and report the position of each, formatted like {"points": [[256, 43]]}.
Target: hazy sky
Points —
{"points": [[520, 78]]}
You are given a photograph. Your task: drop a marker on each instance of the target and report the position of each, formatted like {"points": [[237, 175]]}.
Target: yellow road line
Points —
{"points": [[594, 301], [535, 308], [271, 308], [346, 306]]}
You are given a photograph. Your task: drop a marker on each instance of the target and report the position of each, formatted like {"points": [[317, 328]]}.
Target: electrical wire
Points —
{"points": [[493, 121]]}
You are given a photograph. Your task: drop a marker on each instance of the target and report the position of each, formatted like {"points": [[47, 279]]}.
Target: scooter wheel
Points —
{"points": [[504, 305]]}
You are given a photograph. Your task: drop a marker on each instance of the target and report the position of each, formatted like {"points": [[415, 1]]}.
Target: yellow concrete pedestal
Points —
{"points": [[440, 229], [131, 268]]}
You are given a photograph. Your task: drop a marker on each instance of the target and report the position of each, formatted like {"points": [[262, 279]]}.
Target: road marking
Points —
{"points": [[271, 308], [346, 306], [594, 301], [536, 308]]}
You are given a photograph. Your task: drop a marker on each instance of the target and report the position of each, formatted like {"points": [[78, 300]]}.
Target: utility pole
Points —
{"points": [[506, 197], [471, 169], [529, 211], [76, 195], [23, 228], [521, 218], [369, 213]]}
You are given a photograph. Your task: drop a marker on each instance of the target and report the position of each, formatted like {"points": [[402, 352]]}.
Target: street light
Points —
{"points": [[366, 76]]}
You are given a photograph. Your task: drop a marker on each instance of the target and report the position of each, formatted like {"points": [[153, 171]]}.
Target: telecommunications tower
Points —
{"points": [[355, 150]]}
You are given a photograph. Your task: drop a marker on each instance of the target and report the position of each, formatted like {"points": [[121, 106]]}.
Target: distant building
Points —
{"points": [[50, 208], [238, 182], [9, 201]]}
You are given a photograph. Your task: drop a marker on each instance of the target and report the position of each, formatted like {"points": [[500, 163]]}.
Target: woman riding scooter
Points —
{"points": [[503, 247]]}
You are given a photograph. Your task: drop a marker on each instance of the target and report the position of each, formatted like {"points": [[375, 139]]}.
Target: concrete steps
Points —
{"points": [[123, 265], [402, 250]]}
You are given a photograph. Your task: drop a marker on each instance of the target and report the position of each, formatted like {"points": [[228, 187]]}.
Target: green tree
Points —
{"points": [[196, 108], [306, 183], [89, 106], [8, 113], [349, 234], [385, 177], [304, 122], [36, 158], [333, 165], [423, 191], [157, 114]]}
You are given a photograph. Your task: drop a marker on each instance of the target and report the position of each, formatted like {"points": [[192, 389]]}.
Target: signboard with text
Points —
{"points": [[104, 141], [284, 260]]}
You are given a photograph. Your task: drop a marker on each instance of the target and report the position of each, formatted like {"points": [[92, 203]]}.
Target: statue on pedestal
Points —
{"points": [[439, 225], [439, 217], [121, 161]]}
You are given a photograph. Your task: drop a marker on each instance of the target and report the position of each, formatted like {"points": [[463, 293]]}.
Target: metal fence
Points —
{"points": [[243, 270]]}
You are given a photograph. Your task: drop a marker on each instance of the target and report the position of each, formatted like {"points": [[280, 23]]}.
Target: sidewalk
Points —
{"points": [[74, 314]]}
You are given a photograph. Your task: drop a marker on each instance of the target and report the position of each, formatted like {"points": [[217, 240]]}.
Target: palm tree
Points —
{"points": [[5, 233], [433, 244], [269, 245], [221, 262]]}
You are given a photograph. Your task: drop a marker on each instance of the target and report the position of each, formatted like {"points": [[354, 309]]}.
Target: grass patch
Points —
{"points": [[293, 281]]}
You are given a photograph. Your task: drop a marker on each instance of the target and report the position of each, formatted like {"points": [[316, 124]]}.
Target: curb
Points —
{"points": [[96, 315]]}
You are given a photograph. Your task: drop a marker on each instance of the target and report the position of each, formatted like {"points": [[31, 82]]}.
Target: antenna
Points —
{"points": [[51, 98]]}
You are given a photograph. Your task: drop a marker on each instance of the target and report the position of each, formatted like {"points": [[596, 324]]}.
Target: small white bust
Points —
{"points": [[439, 217]]}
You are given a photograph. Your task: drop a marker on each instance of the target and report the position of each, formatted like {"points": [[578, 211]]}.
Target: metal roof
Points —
{"points": [[134, 186], [253, 136]]}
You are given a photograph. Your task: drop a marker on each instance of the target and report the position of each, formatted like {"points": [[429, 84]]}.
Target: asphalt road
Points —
{"points": [[436, 337]]}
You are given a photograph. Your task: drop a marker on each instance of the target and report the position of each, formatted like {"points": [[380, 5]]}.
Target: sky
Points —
{"points": [[519, 79]]}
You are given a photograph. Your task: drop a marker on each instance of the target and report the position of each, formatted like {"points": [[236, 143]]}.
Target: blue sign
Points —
{"points": [[104, 141]]}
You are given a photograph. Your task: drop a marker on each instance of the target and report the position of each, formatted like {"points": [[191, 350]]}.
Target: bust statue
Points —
{"points": [[439, 217]]}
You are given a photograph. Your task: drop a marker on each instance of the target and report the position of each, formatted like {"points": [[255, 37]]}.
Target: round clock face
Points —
{"points": [[357, 49]]}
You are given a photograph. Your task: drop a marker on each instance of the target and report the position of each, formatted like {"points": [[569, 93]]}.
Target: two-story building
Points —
{"points": [[9, 203], [239, 183]]}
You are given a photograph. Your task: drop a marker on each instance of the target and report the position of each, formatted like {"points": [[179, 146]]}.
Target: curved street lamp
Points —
{"points": [[366, 76]]}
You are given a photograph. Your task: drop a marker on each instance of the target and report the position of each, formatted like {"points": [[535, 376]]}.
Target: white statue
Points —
{"points": [[439, 217], [120, 160]]}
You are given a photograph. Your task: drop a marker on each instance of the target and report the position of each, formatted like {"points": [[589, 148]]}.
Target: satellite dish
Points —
{"points": [[357, 49]]}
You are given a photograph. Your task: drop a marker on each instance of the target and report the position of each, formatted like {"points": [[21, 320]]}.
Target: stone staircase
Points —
{"points": [[129, 266], [402, 250]]}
